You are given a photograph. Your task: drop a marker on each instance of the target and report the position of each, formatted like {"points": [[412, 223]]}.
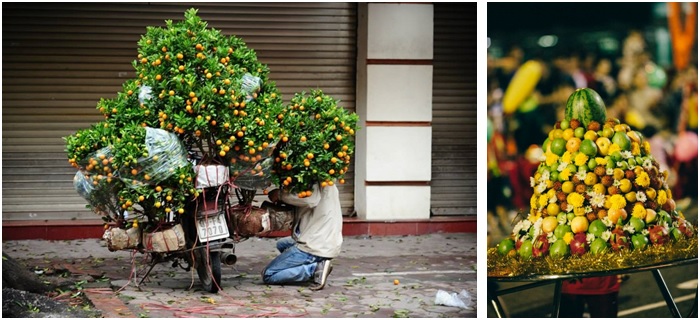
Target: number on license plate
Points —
{"points": [[212, 228]]}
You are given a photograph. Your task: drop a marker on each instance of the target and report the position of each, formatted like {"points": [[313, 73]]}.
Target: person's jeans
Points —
{"points": [[292, 265]]}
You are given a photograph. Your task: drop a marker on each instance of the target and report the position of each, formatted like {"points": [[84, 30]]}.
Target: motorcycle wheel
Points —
{"points": [[210, 281]]}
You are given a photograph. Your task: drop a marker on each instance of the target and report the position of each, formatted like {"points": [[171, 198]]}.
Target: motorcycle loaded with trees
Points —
{"points": [[185, 146]]}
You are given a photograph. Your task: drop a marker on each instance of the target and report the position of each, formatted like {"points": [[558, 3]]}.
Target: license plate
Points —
{"points": [[212, 228]]}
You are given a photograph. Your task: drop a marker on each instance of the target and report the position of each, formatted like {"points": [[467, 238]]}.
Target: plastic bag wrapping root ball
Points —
{"points": [[98, 193], [461, 300], [252, 177], [165, 154]]}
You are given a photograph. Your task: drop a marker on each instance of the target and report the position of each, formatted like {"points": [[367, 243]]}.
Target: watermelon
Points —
{"points": [[586, 105]]}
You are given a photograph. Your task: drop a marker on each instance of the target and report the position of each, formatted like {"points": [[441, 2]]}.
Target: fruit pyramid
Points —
{"points": [[598, 189]]}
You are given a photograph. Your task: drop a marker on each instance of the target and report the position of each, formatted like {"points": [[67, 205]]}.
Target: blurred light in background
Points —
{"points": [[547, 41], [488, 42]]}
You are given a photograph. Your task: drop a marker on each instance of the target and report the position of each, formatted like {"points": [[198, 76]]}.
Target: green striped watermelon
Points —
{"points": [[585, 105]]}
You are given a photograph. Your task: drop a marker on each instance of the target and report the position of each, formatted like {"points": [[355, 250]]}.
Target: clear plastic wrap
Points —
{"points": [[250, 84], [145, 94], [252, 177], [165, 154]]}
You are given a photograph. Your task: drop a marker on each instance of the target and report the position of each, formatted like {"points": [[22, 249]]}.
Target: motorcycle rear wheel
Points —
{"points": [[211, 281]]}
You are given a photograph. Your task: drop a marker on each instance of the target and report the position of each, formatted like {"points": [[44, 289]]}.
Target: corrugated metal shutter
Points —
{"points": [[59, 59], [454, 176]]}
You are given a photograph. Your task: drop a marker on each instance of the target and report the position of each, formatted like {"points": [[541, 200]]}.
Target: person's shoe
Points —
{"points": [[323, 269]]}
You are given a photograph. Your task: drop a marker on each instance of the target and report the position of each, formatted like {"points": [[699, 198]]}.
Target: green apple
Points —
{"points": [[598, 246], [637, 224], [588, 147], [506, 246], [561, 230], [559, 249], [621, 139], [639, 241], [525, 250], [597, 227], [616, 156]]}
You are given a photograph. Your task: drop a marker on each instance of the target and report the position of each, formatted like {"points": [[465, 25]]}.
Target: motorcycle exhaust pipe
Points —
{"points": [[228, 259]]}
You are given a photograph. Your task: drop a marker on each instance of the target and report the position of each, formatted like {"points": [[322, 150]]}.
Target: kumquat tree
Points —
{"points": [[201, 97]]}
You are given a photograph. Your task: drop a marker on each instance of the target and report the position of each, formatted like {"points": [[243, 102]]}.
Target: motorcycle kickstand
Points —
{"points": [[153, 264]]}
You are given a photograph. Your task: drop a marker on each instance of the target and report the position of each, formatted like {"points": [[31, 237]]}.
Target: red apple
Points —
{"points": [[578, 244]]}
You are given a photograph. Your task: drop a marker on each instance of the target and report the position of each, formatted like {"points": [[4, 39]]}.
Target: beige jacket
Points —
{"points": [[320, 221]]}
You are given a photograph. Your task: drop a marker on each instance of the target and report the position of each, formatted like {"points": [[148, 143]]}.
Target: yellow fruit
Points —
{"points": [[599, 188], [549, 223], [567, 134], [631, 196], [579, 224], [615, 214], [651, 193], [625, 185], [567, 187], [591, 179], [553, 209], [618, 174]]}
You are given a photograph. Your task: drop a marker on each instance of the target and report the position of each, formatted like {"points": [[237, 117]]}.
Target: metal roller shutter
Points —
{"points": [[454, 176], [59, 59]]}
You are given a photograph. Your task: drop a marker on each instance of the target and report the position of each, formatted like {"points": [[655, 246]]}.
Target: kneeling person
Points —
{"points": [[316, 239]]}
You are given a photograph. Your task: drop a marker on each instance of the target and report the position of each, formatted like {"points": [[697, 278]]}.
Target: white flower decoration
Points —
{"points": [[597, 199], [609, 171], [606, 235], [607, 222], [587, 209], [641, 196], [629, 228], [569, 207], [532, 182], [590, 237], [581, 175], [616, 183], [645, 232], [647, 164], [551, 237], [626, 154], [562, 166], [541, 187]]}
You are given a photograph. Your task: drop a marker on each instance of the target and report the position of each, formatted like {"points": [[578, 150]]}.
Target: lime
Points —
{"points": [[588, 147], [608, 132], [598, 246], [639, 241], [592, 164], [559, 249], [506, 246], [597, 228], [616, 156], [579, 132], [558, 146], [564, 124]]}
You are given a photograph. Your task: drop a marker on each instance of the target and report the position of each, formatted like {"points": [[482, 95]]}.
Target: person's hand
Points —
{"points": [[274, 195]]}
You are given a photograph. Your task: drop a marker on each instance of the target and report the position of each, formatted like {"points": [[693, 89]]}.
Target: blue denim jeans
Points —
{"points": [[292, 265]]}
